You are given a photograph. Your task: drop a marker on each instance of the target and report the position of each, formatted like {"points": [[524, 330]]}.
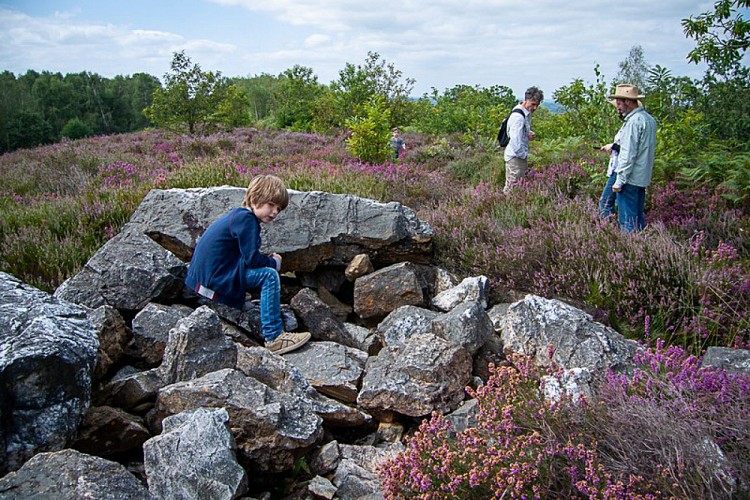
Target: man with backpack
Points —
{"points": [[520, 133]]}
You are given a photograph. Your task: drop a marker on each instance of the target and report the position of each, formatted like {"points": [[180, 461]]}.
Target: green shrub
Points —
{"points": [[370, 133], [76, 129]]}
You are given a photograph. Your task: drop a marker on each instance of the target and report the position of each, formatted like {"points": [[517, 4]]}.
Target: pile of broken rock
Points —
{"points": [[125, 384]]}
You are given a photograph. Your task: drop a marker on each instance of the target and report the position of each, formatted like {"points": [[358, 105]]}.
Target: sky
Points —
{"points": [[438, 43]]}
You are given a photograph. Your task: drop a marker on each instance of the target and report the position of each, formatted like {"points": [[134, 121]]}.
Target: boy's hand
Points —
{"points": [[276, 256]]}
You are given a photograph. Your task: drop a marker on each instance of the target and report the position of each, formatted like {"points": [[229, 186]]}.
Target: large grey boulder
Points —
{"points": [[333, 369], [176, 218], [403, 323], [72, 475], [127, 272], [271, 429], [194, 457], [426, 374], [471, 289], [48, 349], [549, 330], [315, 229]]}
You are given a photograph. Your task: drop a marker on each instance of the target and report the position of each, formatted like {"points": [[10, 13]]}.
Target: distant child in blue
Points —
{"points": [[227, 261], [397, 144]]}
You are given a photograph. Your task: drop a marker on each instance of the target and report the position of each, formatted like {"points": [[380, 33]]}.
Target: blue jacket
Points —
{"points": [[229, 247]]}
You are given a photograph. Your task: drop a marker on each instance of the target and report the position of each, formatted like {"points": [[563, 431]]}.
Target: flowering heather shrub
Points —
{"points": [[546, 240], [522, 447], [672, 430], [118, 175], [552, 245], [701, 210], [689, 422]]}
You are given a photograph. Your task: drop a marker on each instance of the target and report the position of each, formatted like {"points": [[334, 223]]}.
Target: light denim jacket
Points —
{"points": [[635, 163], [518, 131]]}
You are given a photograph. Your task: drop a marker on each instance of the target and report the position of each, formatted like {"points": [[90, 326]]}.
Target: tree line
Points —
{"points": [[367, 99], [41, 108]]}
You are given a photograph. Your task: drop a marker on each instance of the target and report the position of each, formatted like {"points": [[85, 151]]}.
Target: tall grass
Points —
{"points": [[685, 278]]}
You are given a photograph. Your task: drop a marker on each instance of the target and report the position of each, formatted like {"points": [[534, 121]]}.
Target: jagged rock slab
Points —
{"points": [[127, 272], [315, 229], [48, 350], [194, 457]]}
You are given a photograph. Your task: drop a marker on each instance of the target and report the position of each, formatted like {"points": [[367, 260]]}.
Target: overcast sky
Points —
{"points": [[439, 43]]}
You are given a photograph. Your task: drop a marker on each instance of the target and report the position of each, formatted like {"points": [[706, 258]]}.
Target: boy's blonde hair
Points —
{"points": [[266, 189]]}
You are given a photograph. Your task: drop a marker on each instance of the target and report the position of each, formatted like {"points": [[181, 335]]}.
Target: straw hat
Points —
{"points": [[627, 91]]}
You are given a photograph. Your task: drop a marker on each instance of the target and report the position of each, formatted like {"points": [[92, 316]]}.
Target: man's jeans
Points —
{"points": [[607, 200], [631, 203], [267, 279]]}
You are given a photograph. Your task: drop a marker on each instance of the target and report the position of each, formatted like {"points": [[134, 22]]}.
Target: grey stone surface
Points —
{"points": [[150, 329], [471, 289], [71, 475], [467, 325], [315, 229], [404, 322], [127, 273], [197, 346], [318, 318], [194, 457], [271, 429], [549, 330], [426, 374], [48, 350], [731, 360], [333, 369]]}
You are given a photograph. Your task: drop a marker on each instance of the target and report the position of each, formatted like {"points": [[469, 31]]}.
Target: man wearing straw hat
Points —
{"points": [[635, 163]]}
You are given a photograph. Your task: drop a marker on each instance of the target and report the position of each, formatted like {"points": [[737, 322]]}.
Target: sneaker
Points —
{"points": [[287, 341]]}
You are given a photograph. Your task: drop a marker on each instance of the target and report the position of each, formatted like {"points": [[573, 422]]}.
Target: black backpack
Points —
{"points": [[502, 135]]}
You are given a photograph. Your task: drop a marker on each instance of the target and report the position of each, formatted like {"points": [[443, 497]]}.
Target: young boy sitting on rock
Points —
{"points": [[227, 261]]}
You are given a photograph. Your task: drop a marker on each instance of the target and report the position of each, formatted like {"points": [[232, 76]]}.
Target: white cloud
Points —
{"points": [[440, 43], [316, 40]]}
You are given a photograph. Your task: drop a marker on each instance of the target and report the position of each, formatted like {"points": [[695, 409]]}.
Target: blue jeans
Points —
{"points": [[631, 202], [607, 200], [267, 279]]}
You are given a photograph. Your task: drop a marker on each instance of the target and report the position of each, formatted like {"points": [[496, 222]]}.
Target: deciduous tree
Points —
{"points": [[634, 68], [190, 96], [722, 36]]}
